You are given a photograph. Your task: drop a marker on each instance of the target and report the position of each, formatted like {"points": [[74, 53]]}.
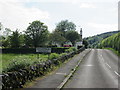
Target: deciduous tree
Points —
{"points": [[64, 26], [72, 36], [36, 33], [15, 39], [57, 38]]}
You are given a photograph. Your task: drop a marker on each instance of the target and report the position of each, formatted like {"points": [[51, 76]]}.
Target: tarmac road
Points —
{"points": [[53, 80], [99, 69]]}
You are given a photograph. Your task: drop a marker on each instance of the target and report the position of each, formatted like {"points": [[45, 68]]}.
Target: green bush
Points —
{"points": [[53, 56], [71, 49], [62, 54], [17, 64]]}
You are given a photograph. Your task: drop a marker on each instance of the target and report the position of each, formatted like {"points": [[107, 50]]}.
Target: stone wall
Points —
{"points": [[18, 78]]}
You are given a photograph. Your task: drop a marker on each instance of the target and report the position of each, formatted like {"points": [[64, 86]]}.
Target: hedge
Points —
{"points": [[30, 50]]}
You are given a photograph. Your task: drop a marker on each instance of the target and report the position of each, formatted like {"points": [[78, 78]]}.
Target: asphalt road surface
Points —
{"points": [[99, 69]]}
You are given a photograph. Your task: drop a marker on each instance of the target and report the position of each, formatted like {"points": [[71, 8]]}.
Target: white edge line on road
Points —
{"points": [[116, 73], [70, 74], [108, 65]]}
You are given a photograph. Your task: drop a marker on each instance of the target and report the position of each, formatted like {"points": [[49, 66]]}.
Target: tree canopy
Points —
{"points": [[15, 39], [72, 36], [1, 26], [57, 38], [111, 42], [36, 33], [65, 25]]}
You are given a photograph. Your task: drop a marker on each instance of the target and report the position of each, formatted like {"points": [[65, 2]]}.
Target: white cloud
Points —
{"points": [[87, 5], [14, 15], [103, 27], [64, 1]]}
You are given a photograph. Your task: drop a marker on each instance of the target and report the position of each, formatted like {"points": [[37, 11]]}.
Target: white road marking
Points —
{"points": [[108, 65], [88, 65], [61, 73], [102, 58], [116, 73]]}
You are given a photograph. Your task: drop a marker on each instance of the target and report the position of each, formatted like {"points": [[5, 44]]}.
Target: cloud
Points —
{"points": [[103, 27], [87, 5], [15, 15], [63, 1]]}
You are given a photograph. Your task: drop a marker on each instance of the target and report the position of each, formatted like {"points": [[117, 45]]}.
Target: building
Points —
{"points": [[80, 43]]}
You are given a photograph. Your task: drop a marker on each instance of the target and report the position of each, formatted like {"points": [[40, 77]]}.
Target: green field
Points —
{"points": [[7, 61]]}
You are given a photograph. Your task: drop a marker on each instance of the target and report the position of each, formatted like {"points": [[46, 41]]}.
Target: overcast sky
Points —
{"points": [[94, 16]]}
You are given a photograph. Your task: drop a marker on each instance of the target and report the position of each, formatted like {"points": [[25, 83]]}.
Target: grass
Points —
{"points": [[113, 50], [13, 62], [29, 59], [53, 70]]}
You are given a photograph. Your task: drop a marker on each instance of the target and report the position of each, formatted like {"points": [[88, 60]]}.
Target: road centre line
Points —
{"points": [[116, 73], [61, 73], [101, 57], [108, 65]]}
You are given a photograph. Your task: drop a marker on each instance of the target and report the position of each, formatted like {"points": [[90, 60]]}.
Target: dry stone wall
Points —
{"points": [[17, 79]]}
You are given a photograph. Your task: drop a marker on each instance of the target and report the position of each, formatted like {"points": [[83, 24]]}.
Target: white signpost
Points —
{"points": [[43, 50]]}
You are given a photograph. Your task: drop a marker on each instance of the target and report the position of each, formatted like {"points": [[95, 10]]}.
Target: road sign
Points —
{"points": [[43, 50]]}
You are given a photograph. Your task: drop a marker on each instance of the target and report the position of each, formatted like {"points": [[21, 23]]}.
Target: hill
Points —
{"points": [[94, 40], [111, 42]]}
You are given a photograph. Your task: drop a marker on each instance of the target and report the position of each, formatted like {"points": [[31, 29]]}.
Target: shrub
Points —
{"points": [[21, 62], [62, 54], [17, 64], [53, 56], [71, 49]]}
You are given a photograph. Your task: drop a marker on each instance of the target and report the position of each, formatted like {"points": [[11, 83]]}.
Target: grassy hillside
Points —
{"points": [[94, 40], [111, 42]]}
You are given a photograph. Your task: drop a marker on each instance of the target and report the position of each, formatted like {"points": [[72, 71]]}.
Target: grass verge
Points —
{"points": [[28, 84], [9, 61], [113, 50]]}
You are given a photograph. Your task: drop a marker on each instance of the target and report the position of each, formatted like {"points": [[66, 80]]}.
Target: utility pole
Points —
{"points": [[81, 34]]}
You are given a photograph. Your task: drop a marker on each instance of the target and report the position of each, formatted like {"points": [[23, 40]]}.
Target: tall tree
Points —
{"points": [[85, 43], [15, 39], [64, 26], [36, 33], [72, 36], [7, 32], [57, 38], [1, 26]]}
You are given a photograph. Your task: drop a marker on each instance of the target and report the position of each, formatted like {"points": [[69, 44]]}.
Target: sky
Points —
{"points": [[93, 16]]}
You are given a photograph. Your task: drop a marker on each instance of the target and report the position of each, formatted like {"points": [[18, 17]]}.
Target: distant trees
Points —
{"points": [[64, 26], [67, 30], [36, 33], [5, 36], [85, 43], [7, 32], [1, 26], [111, 42], [15, 39], [94, 40], [72, 36], [57, 38]]}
